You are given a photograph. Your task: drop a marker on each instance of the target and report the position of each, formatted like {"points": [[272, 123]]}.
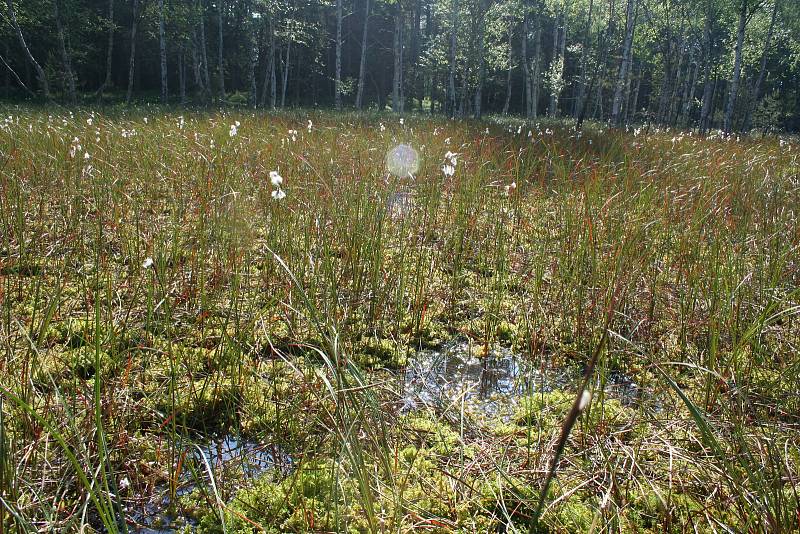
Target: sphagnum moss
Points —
{"points": [[233, 273]]}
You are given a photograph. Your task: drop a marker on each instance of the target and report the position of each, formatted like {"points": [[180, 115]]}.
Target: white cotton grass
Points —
{"points": [[585, 398], [402, 161], [147, 263], [449, 167], [75, 147], [277, 180]]}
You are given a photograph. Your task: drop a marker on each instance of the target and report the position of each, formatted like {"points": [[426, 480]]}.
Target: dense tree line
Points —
{"points": [[729, 64]]}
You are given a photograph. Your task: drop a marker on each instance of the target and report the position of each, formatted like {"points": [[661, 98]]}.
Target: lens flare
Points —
{"points": [[402, 161]]}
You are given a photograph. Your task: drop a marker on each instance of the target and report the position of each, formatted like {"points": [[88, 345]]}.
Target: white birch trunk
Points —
{"points": [[363, 63], [162, 42], [630, 25]]}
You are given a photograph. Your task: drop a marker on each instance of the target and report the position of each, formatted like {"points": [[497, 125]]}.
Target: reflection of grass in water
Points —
{"points": [[111, 368]]}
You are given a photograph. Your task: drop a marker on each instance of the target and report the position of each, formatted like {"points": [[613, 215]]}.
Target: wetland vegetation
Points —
{"points": [[225, 322]]}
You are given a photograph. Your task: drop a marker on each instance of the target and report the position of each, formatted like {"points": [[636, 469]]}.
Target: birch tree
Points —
{"points": [[132, 59], [630, 25], [338, 82], [66, 58], [162, 45], [363, 61]]}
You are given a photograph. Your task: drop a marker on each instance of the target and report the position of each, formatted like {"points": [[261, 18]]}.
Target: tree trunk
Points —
{"points": [[708, 83], [536, 70], [402, 63], [562, 48], [162, 43], [510, 65], [679, 82], [398, 62], [221, 51], [630, 26], [363, 63], [430, 77], [666, 84], [204, 51], [737, 69], [755, 93], [285, 79], [598, 113], [630, 110], [132, 62], [526, 74], [481, 59], [7, 75], [557, 65], [416, 22], [688, 97], [109, 51], [297, 57], [578, 107], [551, 74], [269, 71], [273, 79], [451, 86], [197, 67], [182, 74], [252, 35], [40, 74], [337, 90], [626, 99], [66, 59], [598, 76]]}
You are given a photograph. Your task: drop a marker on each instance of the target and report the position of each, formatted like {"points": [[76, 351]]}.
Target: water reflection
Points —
{"points": [[232, 461], [491, 384]]}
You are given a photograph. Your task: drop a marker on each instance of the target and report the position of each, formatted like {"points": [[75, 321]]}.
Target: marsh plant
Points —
{"points": [[166, 280]]}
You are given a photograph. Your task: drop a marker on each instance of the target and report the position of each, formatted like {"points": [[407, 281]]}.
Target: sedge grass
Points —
{"points": [[154, 293]]}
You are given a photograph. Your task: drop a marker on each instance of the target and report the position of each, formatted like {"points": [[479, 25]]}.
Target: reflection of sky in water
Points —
{"points": [[399, 204], [229, 458], [491, 385], [402, 161], [250, 458]]}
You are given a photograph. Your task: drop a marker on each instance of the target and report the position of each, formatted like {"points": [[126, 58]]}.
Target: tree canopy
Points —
{"points": [[728, 64]]}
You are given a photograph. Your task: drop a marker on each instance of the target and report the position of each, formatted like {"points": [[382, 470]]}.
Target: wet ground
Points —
{"points": [[228, 458], [453, 377], [399, 204]]}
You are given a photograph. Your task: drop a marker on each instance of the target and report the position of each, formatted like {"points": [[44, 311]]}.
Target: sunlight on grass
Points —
{"points": [[171, 280]]}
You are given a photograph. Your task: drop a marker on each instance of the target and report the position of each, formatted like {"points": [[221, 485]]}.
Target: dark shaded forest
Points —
{"points": [[732, 65]]}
